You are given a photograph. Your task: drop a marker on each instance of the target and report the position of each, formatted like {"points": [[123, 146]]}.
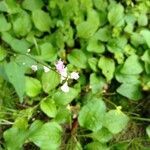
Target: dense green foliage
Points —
{"points": [[107, 42]]}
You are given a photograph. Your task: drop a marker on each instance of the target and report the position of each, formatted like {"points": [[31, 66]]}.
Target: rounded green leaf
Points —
{"points": [[48, 136], [33, 87], [48, 52], [18, 45], [93, 63], [126, 78], [15, 74], [4, 25], [116, 15], [50, 80], [107, 65], [22, 24], [15, 138], [42, 20], [115, 121], [95, 46], [78, 58], [130, 90], [62, 98], [48, 107], [97, 83], [87, 28], [103, 34], [146, 35], [132, 65], [32, 4], [102, 135], [92, 114], [142, 19], [63, 115]]}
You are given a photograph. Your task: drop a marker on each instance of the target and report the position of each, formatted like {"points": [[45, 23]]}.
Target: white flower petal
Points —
{"points": [[28, 50], [64, 74], [46, 69], [65, 87], [34, 67], [74, 75]]}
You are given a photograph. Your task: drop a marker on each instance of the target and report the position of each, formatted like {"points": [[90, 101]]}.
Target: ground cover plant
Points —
{"points": [[74, 74]]}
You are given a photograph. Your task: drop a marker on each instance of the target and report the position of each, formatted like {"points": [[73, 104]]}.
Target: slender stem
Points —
{"points": [[142, 119], [3, 121], [110, 102], [36, 46]]}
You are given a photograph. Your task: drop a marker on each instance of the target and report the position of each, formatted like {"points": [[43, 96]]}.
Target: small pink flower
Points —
{"points": [[65, 87], [64, 74], [60, 66], [74, 75]]}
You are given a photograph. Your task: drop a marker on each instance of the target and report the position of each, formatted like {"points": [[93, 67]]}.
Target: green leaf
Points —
{"points": [[137, 39], [24, 60], [148, 131], [126, 78], [62, 98], [116, 15], [3, 53], [63, 115], [130, 90], [48, 52], [78, 58], [103, 34], [86, 4], [12, 6], [33, 87], [95, 46], [15, 138], [107, 65], [93, 63], [142, 19], [102, 135], [146, 35], [50, 80], [97, 83], [48, 136], [42, 20], [32, 4], [35, 126], [87, 28], [100, 4], [117, 44], [132, 65], [22, 24], [48, 107], [147, 67], [146, 56], [20, 46], [15, 74], [3, 6], [92, 114], [4, 25], [96, 146], [115, 121]]}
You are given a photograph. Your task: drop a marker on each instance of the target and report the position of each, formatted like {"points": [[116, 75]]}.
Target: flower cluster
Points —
{"points": [[62, 70]]}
